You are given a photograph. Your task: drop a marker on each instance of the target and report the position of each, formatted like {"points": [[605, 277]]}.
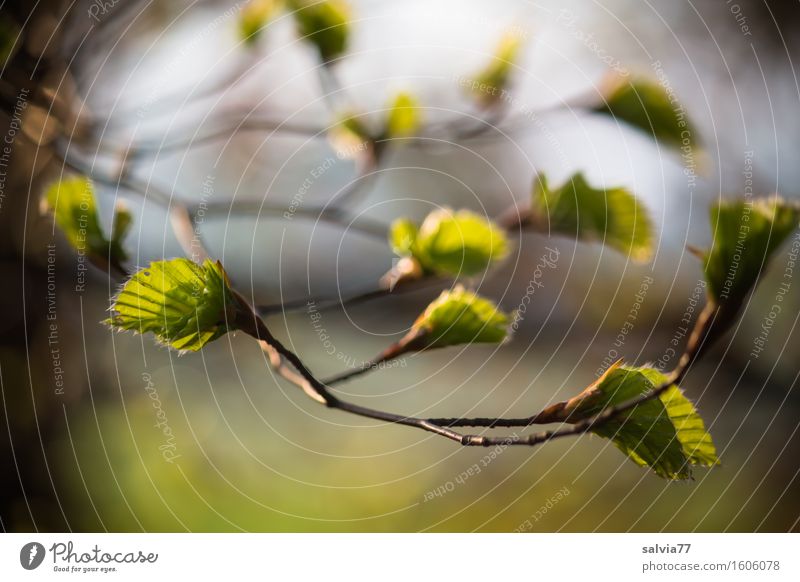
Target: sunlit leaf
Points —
{"points": [[451, 243], [73, 204], [488, 85], [665, 433], [404, 117], [612, 216], [324, 23], [745, 236], [402, 236], [185, 305], [649, 107], [459, 317], [254, 16]]}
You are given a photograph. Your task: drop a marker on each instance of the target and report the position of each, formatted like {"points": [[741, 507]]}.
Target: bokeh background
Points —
{"points": [[253, 453]]}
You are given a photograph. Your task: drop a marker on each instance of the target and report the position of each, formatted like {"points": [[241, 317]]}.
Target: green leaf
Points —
{"points": [[649, 107], [665, 433], [402, 236], [72, 201], [254, 17], [185, 305], [459, 317], [612, 216], [450, 243], [324, 23], [404, 118], [745, 236], [488, 85]]}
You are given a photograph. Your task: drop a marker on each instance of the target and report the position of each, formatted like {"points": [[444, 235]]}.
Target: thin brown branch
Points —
{"points": [[363, 225], [160, 147], [702, 335], [354, 300], [705, 332]]}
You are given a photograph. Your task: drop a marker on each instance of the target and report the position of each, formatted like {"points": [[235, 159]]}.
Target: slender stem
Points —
{"points": [[704, 333], [159, 148], [388, 354], [328, 302], [331, 215], [248, 321]]}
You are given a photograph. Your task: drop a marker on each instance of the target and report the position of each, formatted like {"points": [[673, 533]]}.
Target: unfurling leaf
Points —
{"points": [[185, 305], [73, 204], [402, 235], [665, 433], [612, 216], [488, 85], [324, 23], [449, 243], [255, 16], [404, 118], [458, 317], [649, 107], [745, 236]]}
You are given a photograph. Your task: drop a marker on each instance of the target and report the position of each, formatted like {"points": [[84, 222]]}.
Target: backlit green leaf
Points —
{"points": [[449, 243], [612, 216], [402, 236], [404, 117], [649, 107], [745, 236], [72, 202], [254, 16], [324, 23], [488, 85], [185, 305], [665, 433], [459, 317]]}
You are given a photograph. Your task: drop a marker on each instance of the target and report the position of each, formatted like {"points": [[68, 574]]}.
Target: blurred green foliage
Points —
{"points": [[612, 216], [450, 243]]}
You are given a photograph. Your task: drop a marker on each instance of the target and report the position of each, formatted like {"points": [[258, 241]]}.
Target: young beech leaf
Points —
{"points": [[402, 236], [665, 433], [612, 216], [459, 317], [488, 85], [404, 117], [254, 16], [73, 204], [325, 23], [745, 236], [449, 243], [649, 107], [185, 305]]}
